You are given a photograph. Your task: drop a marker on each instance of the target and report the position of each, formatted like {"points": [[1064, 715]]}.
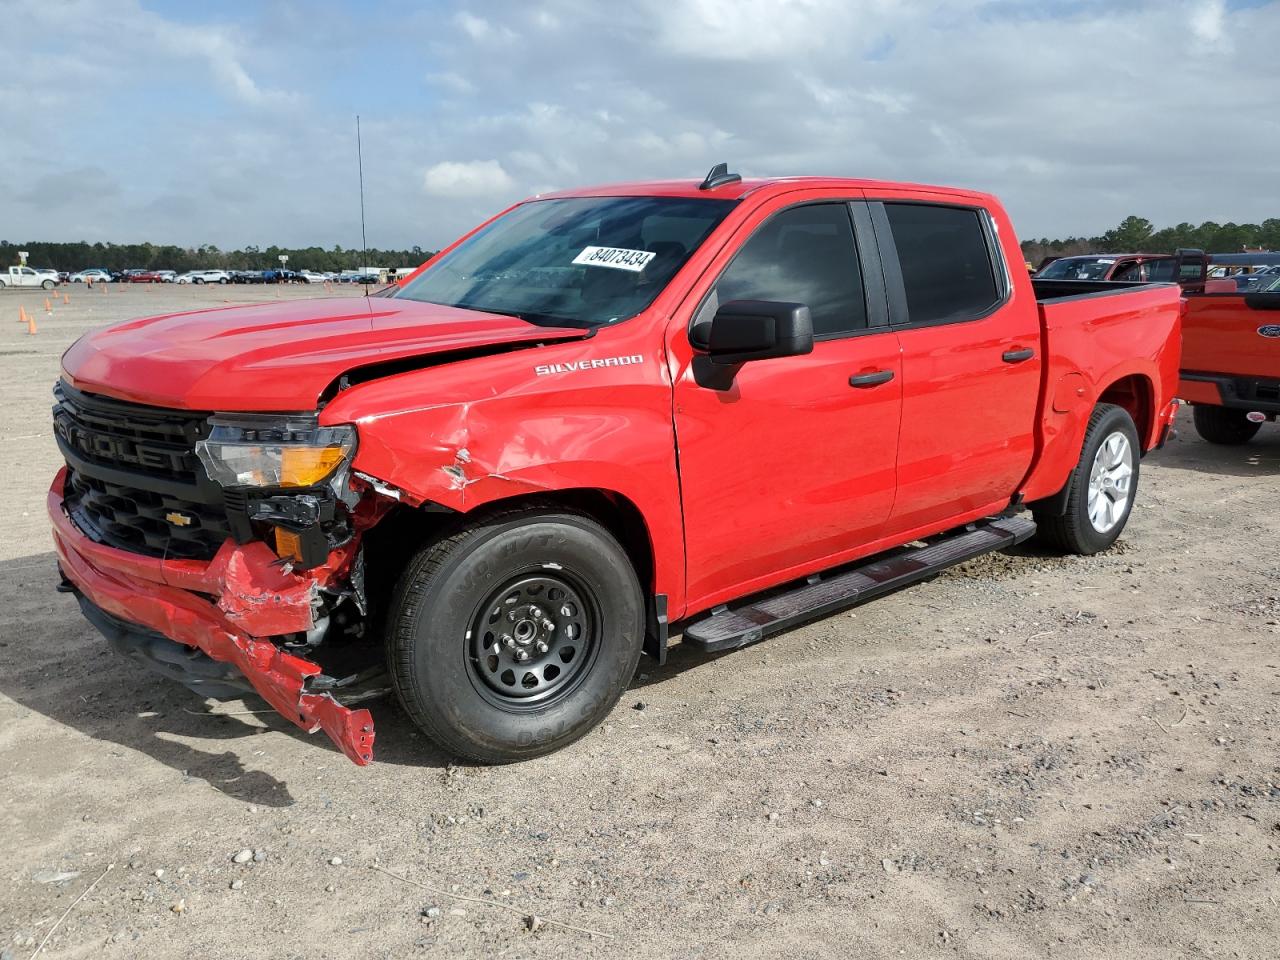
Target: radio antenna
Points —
{"points": [[364, 241]]}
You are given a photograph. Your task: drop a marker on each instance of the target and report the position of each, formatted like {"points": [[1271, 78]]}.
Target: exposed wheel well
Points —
{"points": [[1136, 394], [402, 532], [393, 541], [613, 511]]}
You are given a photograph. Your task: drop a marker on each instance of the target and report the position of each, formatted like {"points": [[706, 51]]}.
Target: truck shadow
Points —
{"points": [[54, 663], [1259, 457]]}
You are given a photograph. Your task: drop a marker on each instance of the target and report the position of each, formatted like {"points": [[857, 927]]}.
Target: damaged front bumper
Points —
{"points": [[224, 608]]}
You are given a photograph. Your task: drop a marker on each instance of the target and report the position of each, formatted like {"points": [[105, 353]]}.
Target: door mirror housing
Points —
{"points": [[744, 330]]}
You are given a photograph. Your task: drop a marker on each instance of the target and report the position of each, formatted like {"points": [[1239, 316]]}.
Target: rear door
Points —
{"points": [[970, 360], [788, 464]]}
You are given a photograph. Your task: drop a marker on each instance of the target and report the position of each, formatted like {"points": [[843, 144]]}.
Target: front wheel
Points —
{"points": [[1101, 488], [1223, 426], [47, 284], [516, 635]]}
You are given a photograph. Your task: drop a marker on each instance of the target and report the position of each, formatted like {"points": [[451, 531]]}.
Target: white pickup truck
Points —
{"points": [[26, 277]]}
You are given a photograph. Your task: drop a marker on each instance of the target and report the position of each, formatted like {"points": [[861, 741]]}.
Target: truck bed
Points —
{"points": [[1095, 334]]}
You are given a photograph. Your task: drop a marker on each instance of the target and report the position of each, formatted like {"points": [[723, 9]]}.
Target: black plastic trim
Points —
{"points": [[873, 281], [1087, 289], [657, 628], [1240, 393]]}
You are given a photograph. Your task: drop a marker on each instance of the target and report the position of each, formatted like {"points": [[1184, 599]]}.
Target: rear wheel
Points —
{"points": [[516, 635], [47, 284], [1224, 426], [1101, 489]]}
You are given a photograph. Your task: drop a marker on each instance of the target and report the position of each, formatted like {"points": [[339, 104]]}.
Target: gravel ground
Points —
{"points": [[1029, 756]]}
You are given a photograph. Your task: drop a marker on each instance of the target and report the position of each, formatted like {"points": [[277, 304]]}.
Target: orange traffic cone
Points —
{"points": [[48, 307], [66, 299], [22, 314]]}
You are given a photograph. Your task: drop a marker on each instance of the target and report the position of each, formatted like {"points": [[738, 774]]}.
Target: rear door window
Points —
{"points": [[947, 267]]}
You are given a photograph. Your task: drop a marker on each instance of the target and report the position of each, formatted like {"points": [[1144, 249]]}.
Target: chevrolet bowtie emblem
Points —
{"points": [[178, 519]]}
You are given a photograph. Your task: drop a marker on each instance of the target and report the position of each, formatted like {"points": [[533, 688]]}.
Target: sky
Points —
{"points": [[234, 123]]}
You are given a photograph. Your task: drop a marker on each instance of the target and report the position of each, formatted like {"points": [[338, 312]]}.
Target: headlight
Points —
{"points": [[253, 450]]}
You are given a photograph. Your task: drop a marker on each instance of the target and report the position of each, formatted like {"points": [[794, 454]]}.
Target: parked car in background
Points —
{"points": [[310, 276], [1257, 280], [1139, 267], [1231, 361], [210, 276], [27, 277], [93, 274], [147, 276], [248, 276], [611, 410]]}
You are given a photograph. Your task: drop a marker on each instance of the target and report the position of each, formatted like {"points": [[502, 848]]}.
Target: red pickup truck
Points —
{"points": [[728, 406], [1231, 363]]}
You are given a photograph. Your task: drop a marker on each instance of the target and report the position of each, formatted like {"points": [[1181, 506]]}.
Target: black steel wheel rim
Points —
{"points": [[533, 640]]}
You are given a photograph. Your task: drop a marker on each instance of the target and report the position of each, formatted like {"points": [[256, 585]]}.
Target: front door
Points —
{"points": [[788, 462]]}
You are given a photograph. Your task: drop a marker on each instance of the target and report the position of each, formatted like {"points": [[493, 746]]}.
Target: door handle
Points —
{"points": [[873, 379], [1017, 356]]}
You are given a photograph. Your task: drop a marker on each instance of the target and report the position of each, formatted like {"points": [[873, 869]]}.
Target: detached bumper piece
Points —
{"points": [[736, 627], [222, 608]]}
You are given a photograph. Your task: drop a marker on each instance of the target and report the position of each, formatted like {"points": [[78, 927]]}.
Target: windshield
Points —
{"points": [[581, 261], [1077, 268]]}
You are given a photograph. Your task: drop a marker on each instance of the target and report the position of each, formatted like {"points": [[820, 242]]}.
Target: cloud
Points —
{"points": [[476, 178], [1075, 116], [1208, 23]]}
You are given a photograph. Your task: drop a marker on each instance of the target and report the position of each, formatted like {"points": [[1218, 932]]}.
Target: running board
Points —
{"points": [[728, 629]]}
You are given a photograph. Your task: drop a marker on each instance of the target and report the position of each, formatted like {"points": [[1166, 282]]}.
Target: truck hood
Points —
{"points": [[280, 356]]}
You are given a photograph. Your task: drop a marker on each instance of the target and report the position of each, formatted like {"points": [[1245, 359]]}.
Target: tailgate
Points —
{"points": [[1234, 334]]}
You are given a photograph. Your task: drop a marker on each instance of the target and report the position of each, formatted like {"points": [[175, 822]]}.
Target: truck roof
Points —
{"points": [[750, 185]]}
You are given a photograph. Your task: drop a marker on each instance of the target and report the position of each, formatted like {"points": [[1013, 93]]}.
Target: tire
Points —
{"points": [[1093, 521], [223, 280], [197, 280], [48, 284], [1223, 426], [453, 654]]}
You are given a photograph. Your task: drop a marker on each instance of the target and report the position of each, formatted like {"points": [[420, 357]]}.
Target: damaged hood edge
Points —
{"points": [[285, 357]]}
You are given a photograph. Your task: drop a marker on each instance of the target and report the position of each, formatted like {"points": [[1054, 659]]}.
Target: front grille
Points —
{"points": [[134, 482], [143, 521], [130, 436]]}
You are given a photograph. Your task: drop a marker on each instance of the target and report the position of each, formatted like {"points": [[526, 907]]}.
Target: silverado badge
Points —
{"points": [[178, 519]]}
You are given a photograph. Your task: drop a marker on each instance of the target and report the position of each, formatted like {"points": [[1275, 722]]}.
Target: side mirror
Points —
{"points": [[745, 330]]}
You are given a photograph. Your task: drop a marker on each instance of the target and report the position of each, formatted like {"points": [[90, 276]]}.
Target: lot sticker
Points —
{"points": [[619, 258]]}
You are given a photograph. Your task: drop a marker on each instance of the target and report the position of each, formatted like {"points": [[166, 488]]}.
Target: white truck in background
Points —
{"points": [[27, 277]]}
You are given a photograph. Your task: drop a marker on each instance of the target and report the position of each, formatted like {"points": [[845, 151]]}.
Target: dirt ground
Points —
{"points": [[1026, 757]]}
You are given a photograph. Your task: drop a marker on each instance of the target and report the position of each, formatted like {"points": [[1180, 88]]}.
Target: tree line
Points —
{"points": [[1137, 234], [150, 256]]}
